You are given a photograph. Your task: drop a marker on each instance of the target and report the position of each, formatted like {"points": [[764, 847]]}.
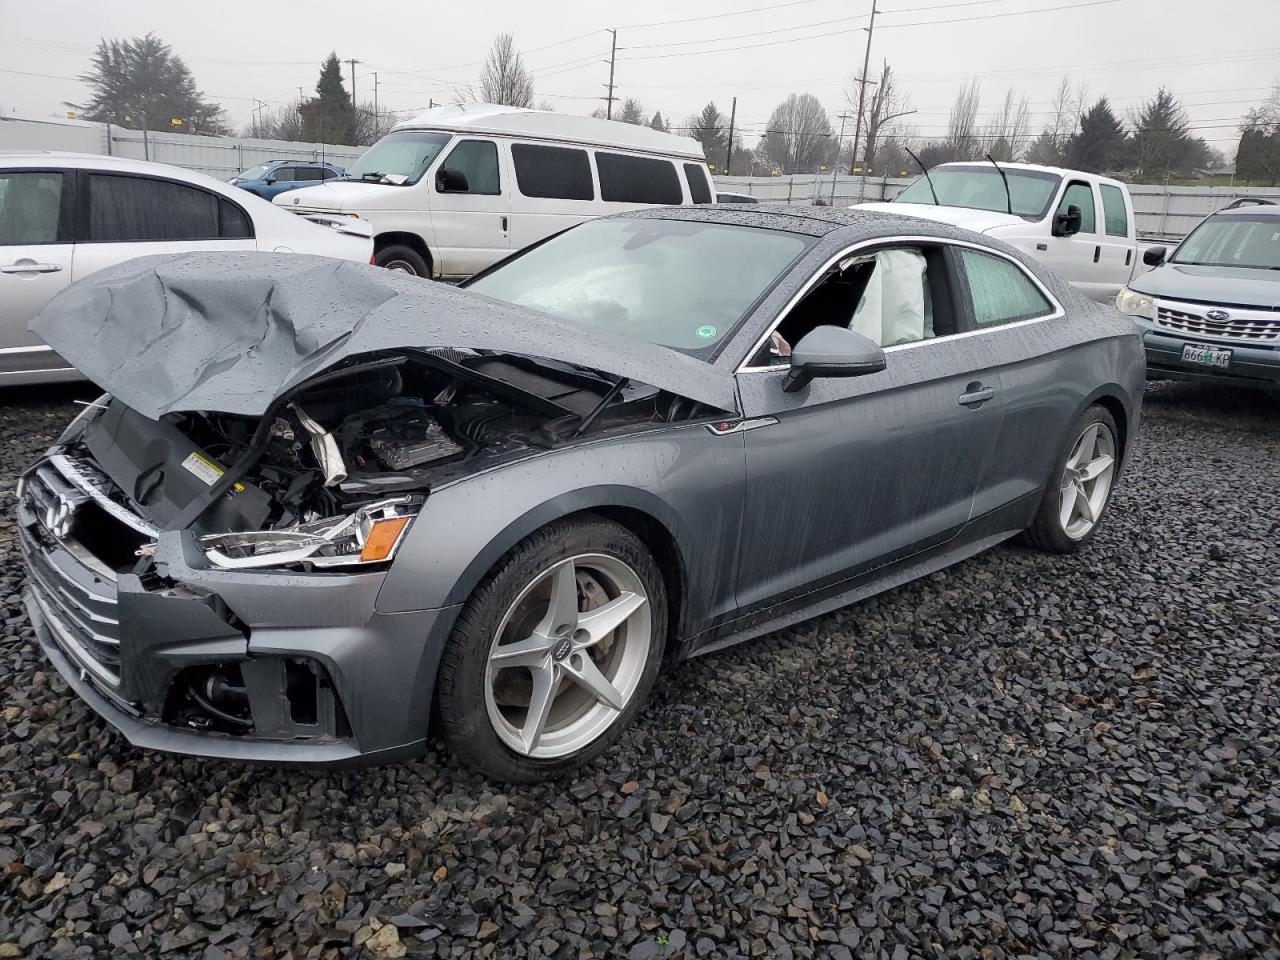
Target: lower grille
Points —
{"points": [[1241, 326]]}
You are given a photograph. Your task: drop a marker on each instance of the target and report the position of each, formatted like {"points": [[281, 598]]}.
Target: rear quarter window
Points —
{"points": [[628, 179], [555, 173], [699, 189]]}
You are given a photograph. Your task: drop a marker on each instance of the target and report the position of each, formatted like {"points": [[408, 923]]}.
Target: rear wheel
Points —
{"points": [[402, 259], [1080, 491], [554, 653]]}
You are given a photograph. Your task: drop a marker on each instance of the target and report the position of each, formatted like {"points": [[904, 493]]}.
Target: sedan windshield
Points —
{"points": [[1238, 240], [980, 188], [399, 158], [676, 283]]}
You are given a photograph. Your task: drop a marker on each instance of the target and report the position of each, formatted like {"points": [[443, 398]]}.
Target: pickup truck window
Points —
{"points": [[980, 188], [1081, 195], [1114, 216]]}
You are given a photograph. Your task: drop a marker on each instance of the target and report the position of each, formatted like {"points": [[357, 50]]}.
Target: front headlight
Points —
{"points": [[370, 534], [1135, 304]]}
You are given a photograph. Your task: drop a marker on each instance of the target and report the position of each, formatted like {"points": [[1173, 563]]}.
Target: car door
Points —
{"points": [[1075, 258], [130, 215], [1045, 372], [846, 475], [470, 208], [278, 181], [1115, 265], [36, 259]]}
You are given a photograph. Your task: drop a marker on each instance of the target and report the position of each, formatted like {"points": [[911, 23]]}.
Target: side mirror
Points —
{"points": [[451, 181], [1068, 224], [1154, 256], [832, 352], [269, 178]]}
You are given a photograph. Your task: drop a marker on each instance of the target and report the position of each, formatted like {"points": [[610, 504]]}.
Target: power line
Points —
{"points": [[758, 33], [716, 16], [1002, 15]]}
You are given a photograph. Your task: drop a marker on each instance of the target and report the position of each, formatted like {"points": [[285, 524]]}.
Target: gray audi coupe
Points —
{"points": [[323, 507]]}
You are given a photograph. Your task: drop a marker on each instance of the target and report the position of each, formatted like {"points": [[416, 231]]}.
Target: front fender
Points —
{"points": [[684, 478]]}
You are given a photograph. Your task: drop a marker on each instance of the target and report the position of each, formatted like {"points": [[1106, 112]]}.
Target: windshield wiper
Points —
{"points": [[368, 176]]}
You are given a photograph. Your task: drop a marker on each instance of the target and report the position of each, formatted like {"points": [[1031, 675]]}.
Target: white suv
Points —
{"points": [[65, 215]]}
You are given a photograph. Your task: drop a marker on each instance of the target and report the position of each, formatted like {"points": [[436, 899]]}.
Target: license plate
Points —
{"points": [[1198, 353]]}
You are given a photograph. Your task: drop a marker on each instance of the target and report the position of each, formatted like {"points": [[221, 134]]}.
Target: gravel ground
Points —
{"points": [[1025, 756]]}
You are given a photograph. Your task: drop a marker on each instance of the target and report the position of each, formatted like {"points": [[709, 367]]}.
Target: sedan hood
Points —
{"points": [[1230, 286], [231, 332], [980, 221]]}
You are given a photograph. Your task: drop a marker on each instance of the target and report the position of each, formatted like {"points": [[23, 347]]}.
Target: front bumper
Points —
{"points": [[127, 644], [1251, 363]]}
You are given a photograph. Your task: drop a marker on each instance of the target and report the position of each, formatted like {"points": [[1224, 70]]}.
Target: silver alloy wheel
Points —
{"points": [[559, 675], [1086, 480], [400, 266]]}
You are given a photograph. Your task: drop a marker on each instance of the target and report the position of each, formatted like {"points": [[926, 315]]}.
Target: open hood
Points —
{"points": [[231, 332], [980, 221]]}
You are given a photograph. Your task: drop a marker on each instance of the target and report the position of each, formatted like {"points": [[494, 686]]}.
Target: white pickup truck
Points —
{"points": [[1080, 225]]}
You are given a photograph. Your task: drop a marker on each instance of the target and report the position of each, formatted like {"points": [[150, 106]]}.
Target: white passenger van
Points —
{"points": [[458, 188]]}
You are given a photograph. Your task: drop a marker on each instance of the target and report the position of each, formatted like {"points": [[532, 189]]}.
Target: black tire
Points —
{"points": [[405, 259], [462, 718], [1046, 531]]}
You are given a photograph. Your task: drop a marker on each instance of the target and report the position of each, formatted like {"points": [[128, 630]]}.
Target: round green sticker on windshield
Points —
{"points": [[706, 333]]}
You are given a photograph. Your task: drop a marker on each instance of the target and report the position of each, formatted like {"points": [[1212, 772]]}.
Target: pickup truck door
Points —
{"points": [[1077, 259], [1117, 241]]}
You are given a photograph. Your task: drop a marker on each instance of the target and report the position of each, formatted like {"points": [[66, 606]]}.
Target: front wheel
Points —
{"points": [[554, 653], [402, 259], [1080, 490]]}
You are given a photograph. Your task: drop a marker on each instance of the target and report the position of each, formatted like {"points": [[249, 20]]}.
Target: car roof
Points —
{"points": [[812, 221], [1269, 209], [498, 120]]}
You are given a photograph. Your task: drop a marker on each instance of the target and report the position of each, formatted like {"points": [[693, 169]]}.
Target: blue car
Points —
{"points": [[277, 176]]}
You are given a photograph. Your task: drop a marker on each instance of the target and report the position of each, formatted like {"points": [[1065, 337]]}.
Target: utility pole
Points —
{"points": [[613, 54], [728, 151], [353, 61], [862, 98], [835, 167], [376, 122], [261, 105]]}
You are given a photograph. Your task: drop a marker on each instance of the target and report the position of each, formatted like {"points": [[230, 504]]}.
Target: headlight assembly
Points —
{"points": [[1135, 304], [370, 534]]}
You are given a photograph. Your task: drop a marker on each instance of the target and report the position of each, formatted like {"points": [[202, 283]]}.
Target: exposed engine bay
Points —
{"points": [[347, 458]]}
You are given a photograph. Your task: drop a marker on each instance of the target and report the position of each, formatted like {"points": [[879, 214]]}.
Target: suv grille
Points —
{"points": [[1250, 325]]}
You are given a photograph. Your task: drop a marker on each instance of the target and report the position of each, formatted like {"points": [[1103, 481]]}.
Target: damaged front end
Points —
{"points": [[215, 575]]}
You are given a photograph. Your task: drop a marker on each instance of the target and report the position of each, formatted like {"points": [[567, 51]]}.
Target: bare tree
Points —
{"points": [[504, 78], [1006, 134], [547, 105], [799, 135], [962, 140], [881, 108]]}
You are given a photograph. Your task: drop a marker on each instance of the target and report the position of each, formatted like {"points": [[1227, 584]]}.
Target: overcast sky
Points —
{"points": [[1214, 56]]}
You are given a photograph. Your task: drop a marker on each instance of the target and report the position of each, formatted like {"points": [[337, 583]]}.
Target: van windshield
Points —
{"points": [[979, 187], [399, 158]]}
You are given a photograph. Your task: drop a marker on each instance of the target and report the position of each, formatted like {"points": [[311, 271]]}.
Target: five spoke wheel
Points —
{"points": [[568, 656], [1086, 480]]}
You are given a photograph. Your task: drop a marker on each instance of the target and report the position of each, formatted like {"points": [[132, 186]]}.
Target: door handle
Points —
{"points": [[31, 267], [504, 224], [976, 396], [1097, 252]]}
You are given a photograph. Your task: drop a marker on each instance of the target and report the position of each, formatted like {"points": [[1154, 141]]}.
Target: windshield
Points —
{"points": [[675, 283], [253, 173], [1237, 240], [980, 188], [400, 158]]}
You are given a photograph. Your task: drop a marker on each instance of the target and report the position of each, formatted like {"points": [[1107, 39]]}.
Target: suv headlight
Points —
{"points": [[370, 534], [1135, 304]]}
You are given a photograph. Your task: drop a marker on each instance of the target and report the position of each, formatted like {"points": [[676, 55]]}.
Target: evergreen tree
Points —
{"points": [[632, 112], [330, 116], [657, 123], [139, 79], [1162, 142], [708, 128], [1100, 146], [1258, 156]]}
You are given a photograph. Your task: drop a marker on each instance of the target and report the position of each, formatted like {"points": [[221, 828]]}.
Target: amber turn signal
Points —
{"points": [[382, 538]]}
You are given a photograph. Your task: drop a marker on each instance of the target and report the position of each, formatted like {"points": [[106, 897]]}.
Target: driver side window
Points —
{"points": [[892, 296], [1080, 194]]}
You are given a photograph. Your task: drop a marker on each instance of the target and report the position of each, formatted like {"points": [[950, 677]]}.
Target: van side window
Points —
{"points": [[1081, 195], [628, 179], [475, 162], [556, 173], [699, 191], [1114, 215]]}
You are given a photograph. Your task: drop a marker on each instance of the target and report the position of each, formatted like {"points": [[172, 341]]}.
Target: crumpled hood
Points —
{"points": [[231, 332], [1229, 286], [980, 221]]}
